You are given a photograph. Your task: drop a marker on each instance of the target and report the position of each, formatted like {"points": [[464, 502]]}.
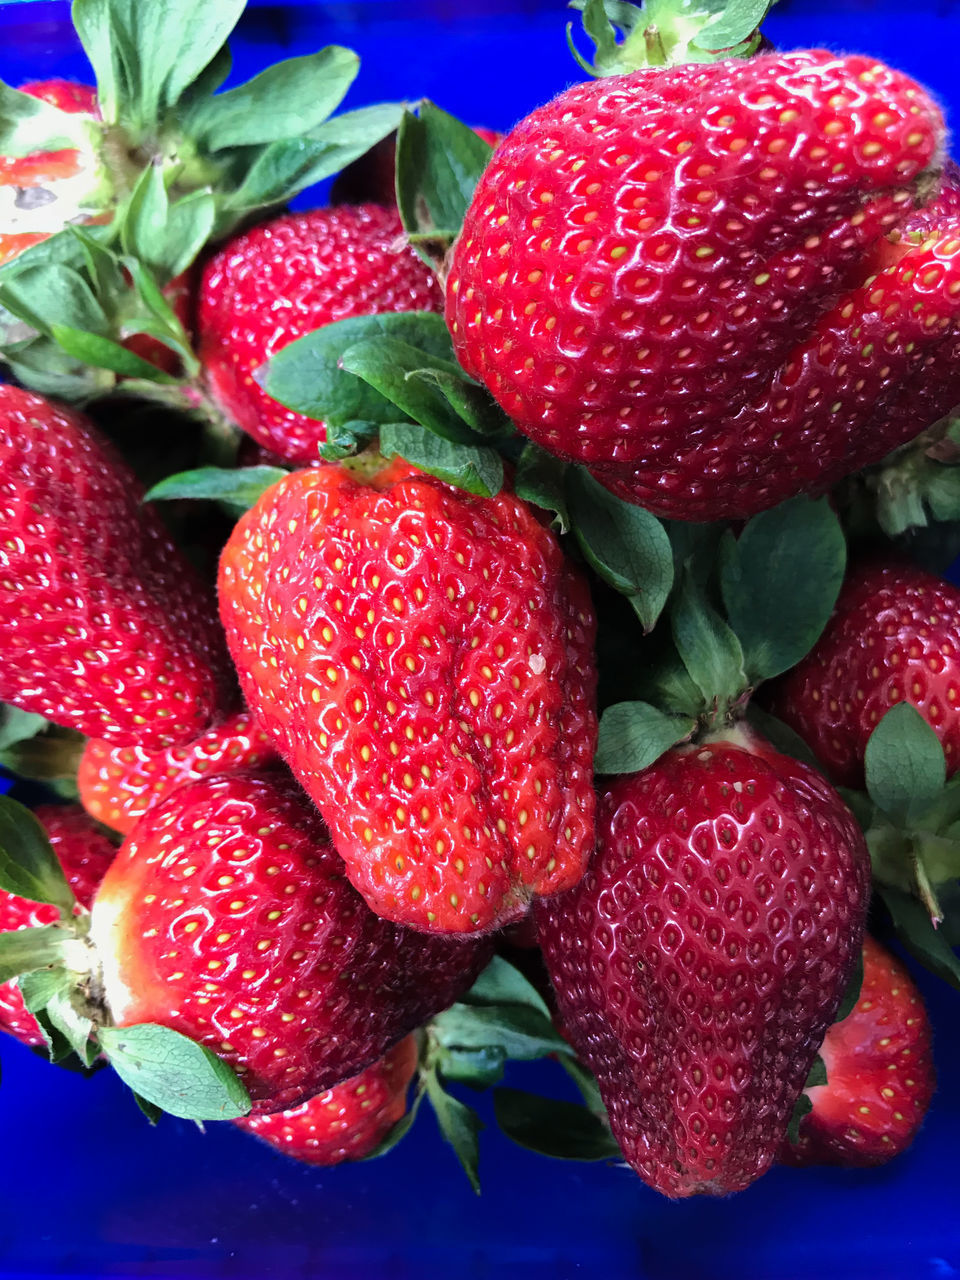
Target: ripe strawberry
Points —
{"points": [[894, 636], [84, 851], [103, 626], [880, 1076], [119, 784], [36, 189], [348, 1121], [665, 275], [422, 658], [703, 955], [285, 278], [226, 916]]}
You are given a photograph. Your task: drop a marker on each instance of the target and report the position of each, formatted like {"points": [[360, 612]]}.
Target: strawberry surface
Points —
{"points": [[894, 637], [285, 278], [119, 784], [84, 851], [880, 1076], [667, 276], [226, 915], [703, 955], [348, 1121], [423, 660]]}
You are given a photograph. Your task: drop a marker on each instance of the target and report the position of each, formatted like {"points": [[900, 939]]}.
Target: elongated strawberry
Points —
{"points": [[667, 276], [348, 1121], [119, 784], [226, 915], [422, 658], [703, 955], [103, 625], [85, 852], [894, 637], [880, 1076], [285, 278]]}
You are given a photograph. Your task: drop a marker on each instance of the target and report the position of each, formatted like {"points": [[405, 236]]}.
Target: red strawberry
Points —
{"points": [[880, 1076], [348, 1121], [422, 658], [40, 183], [665, 275], [285, 278], [103, 625], [894, 637], [119, 784], [226, 916], [702, 957], [84, 852]]}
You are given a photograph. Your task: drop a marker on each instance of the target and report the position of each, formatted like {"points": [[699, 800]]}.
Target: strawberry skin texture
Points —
{"points": [[118, 785], [104, 627], [226, 915], [894, 637], [702, 957], [880, 1075], [665, 276], [85, 852], [423, 660], [280, 281], [348, 1121]]}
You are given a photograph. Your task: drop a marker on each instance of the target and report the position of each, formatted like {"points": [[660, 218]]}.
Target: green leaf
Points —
{"points": [[541, 479], [522, 1032], [780, 581], [17, 725], [52, 296], [802, 1107], [152, 1113], [459, 1125], [103, 353], [912, 923], [397, 1133], [39, 986], [904, 763], [388, 365], [586, 1083], [626, 545], [67, 1012], [781, 736], [562, 1130], [474, 468], [439, 160], [174, 1073], [848, 1001], [307, 377], [28, 865], [709, 649], [286, 101], [502, 983], [236, 488], [736, 20], [478, 1068], [29, 124], [161, 237], [634, 734], [471, 403], [53, 754], [24, 950]]}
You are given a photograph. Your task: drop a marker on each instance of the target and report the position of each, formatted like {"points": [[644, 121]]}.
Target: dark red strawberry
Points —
{"points": [[285, 278], [422, 658], [119, 784], [226, 916], [103, 625], [703, 955], [880, 1076], [667, 276], [85, 852], [894, 637], [348, 1121]]}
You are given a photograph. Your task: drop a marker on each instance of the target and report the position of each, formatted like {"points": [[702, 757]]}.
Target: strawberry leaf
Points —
{"points": [[477, 1068], [39, 986], [627, 546], [848, 1002], [24, 950], [540, 478], [174, 1073], [904, 764], [501, 983], [103, 353], [459, 1124], [562, 1130], [786, 740], [474, 468], [522, 1032], [913, 926], [388, 365], [398, 1132], [29, 124], [634, 734], [237, 489], [18, 726], [165, 238], [28, 865], [802, 1107], [152, 1112], [736, 22], [709, 649], [470, 402], [50, 756], [66, 1011]]}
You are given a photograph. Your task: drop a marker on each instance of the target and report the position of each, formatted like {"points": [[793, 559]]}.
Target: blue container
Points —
{"points": [[89, 1189]]}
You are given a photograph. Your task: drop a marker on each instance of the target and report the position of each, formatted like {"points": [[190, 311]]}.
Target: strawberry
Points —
{"points": [[103, 626], [666, 275], [119, 784], [285, 278], [84, 851], [348, 1121], [880, 1076], [226, 916], [705, 952], [894, 636], [422, 658]]}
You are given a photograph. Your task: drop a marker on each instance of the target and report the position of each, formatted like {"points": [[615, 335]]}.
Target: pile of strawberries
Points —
{"points": [[498, 617]]}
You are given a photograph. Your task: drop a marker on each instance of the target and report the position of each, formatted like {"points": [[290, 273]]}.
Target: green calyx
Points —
{"points": [[664, 33]]}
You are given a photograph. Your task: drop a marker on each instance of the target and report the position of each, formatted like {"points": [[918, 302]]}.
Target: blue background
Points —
{"points": [[88, 1189]]}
